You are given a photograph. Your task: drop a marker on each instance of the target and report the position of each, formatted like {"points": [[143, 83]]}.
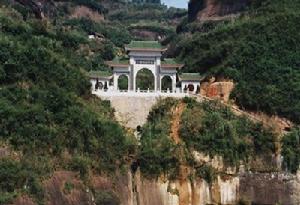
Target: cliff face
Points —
{"points": [[214, 9], [255, 188], [35, 5]]}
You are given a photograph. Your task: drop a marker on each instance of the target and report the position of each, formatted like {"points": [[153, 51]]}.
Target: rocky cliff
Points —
{"points": [[35, 5], [214, 9], [133, 189]]}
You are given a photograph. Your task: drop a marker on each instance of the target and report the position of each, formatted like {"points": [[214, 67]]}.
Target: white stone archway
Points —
{"points": [[173, 79], [118, 79], [144, 55], [136, 72]]}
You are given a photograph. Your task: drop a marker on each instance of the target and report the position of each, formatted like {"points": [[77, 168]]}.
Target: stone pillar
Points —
{"points": [[116, 81], [174, 83], [156, 78], [195, 88], [131, 80], [159, 77], [134, 81], [93, 82], [182, 87]]}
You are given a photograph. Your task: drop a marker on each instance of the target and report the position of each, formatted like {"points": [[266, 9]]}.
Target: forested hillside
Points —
{"points": [[259, 50], [49, 120]]}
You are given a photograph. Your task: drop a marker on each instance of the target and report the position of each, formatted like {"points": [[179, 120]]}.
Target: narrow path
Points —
{"points": [[184, 169], [175, 124]]}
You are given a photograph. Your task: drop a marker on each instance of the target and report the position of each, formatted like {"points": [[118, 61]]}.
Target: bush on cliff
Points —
{"points": [[291, 150], [158, 153], [208, 127], [213, 129]]}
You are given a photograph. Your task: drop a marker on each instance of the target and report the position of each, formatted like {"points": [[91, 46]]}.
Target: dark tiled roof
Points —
{"points": [[190, 76], [145, 46], [170, 62], [124, 61], [100, 74]]}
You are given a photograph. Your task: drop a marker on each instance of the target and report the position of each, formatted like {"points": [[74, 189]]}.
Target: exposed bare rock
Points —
{"points": [[215, 9], [255, 188], [35, 6], [4, 152], [144, 34], [24, 200], [217, 90], [65, 188], [270, 188], [85, 12]]}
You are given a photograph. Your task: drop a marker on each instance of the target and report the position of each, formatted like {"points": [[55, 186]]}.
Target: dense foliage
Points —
{"points": [[45, 106], [259, 50], [213, 129], [291, 150], [46, 109], [145, 80], [209, 128], [158, 153], [149, 19]]}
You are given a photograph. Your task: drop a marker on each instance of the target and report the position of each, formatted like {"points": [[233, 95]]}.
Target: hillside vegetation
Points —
{"points": [[208, 128], [259, 50], [48, 118]]}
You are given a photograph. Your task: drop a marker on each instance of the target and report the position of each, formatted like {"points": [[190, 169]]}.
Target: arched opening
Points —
{"points": [[100, 85], [123, 82], [191, 88], [145, 80], [166, 83]]}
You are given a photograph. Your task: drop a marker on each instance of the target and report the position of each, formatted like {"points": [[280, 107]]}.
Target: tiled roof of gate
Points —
{"points": [[124, 61], [170, 62], [99, 74], [145, 45], [190, 76]]}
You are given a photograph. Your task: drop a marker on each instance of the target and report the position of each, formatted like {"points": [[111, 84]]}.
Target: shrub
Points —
{"points": [[68, 187], [12, 176], [16, 177], [291, 150], [106, 198], [208, 173], [212, 128], [81, 164], [158, 153]]}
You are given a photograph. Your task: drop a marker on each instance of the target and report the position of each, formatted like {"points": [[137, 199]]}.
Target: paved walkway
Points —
{"points": [[139, 94]]}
